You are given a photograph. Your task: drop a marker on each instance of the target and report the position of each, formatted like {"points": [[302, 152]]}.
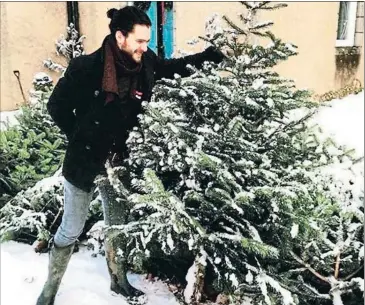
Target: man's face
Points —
{"points": [[136, 41]]}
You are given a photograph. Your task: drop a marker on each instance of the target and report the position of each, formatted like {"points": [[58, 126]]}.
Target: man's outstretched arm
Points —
{"points": [[168, 67]]}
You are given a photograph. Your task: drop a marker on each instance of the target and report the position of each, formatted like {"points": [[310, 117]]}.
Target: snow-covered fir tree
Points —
{"points": [[69, 46], [32, 213], [329, 264], [225, 181], [36, 213]]}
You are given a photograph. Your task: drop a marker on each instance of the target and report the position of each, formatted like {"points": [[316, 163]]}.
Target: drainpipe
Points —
{"points": [[160, 23], [73, 14]]}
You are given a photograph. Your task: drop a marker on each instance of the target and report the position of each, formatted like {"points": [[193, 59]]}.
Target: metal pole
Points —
{"points": [[73, 14]]}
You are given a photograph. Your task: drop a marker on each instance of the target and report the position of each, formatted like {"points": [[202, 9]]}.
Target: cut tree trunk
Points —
{"points": [[195, 278], [115, 213]]}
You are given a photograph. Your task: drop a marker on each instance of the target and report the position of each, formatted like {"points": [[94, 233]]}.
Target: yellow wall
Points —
{"points": [[190, 18], [94, 22], [312, 26], [28, 34], [29, 31]]}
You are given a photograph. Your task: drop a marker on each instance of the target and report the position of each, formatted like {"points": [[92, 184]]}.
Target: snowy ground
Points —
{"points": [[8, 118], [86, 281], [344, 120]]}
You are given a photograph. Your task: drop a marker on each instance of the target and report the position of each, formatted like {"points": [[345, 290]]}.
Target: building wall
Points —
{"points": [[350, 61], [29, 31], [28, 34], [312, 26], [94, 22], [359, 40]]}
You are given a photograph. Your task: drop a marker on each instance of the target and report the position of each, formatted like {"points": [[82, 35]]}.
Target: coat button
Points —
{"points": [[87, 147], [96, 122], [96, 93]]}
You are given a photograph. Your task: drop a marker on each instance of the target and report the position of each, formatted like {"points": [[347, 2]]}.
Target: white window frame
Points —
{"points": [[350, 39]]}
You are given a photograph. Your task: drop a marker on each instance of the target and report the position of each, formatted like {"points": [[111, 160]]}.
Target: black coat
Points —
{"points": [[77, 105]]}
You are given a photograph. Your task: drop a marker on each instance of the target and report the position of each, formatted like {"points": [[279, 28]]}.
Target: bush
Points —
{"points": [[30, 154], [36, 213], [34, 149], [30, 151], [354, 87]]}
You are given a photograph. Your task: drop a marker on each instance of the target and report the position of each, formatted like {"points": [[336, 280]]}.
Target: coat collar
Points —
{"points": [[147, 71]]}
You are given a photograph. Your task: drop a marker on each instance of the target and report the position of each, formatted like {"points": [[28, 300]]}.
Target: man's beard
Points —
{"points": [[130, 57], [138, 57]]}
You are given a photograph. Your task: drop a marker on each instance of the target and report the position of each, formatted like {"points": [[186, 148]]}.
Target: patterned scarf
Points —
{"points": [[119, 68]]}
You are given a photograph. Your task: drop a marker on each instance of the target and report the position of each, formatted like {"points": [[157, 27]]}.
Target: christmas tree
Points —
{"points": [[225, 181]]}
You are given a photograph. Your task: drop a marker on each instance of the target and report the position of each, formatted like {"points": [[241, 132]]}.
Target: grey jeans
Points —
{"points": [[76, 207]]}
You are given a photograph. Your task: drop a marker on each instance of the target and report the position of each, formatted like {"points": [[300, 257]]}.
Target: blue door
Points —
{"points": [[168, 29], [162, 30], [152, 13]]}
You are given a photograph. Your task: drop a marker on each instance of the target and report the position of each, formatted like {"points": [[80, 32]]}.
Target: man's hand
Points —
{"points": [[217, 55], [213, 54]]}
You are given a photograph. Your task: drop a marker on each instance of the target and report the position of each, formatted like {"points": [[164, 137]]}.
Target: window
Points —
{"points": [[346, 24]]}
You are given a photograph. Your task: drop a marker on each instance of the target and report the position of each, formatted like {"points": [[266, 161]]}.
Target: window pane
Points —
{"points": [[343, 20]]}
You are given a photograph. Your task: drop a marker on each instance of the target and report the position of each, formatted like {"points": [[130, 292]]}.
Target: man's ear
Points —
{"points": [[120, 38]]}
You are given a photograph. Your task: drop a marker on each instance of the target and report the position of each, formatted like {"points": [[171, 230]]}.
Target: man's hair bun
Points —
{"points": [[110, 13], [125, 18]]}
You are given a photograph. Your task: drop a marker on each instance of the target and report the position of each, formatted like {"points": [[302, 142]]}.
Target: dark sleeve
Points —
{"points": [[62, 102], [168, 67]]}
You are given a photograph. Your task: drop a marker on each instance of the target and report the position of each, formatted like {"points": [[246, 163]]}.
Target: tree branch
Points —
{"points": [[353, 273], [238, 29], [55, 219], [337, 266], [297, 291], [314, 272]]}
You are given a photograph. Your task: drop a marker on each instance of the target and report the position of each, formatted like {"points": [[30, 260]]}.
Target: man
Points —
{"points": [[95, 104]]}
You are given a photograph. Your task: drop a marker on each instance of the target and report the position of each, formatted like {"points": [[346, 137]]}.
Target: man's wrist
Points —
{"points": [[214, 54]]}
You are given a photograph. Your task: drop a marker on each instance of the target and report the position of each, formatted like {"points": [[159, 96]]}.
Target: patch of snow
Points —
{"points": [[217, 260], [258, 83], [249, 277], [8, 118], [294, 230], [170, 242], [233, 279], [344, 120], [86, 281], [337, 300], [190, 278]]}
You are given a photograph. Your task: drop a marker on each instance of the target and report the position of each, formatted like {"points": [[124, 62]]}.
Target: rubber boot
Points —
{"points": [[58, 261]]}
